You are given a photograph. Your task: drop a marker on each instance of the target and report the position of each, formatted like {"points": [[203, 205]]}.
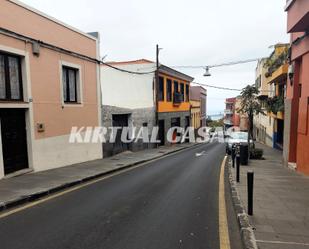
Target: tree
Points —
{"points": [[250, 105], [214, 123]]}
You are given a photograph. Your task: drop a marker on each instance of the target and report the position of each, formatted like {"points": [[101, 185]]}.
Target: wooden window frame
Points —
{"points": [[7, 79], [176, 83], [169, 92], [182, 90], [67, 100], [161, 91]]}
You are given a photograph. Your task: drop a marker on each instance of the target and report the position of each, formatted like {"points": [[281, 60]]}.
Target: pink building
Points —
{"points": [[49, 82], [296, 118], [232, 117], [229, 113]]}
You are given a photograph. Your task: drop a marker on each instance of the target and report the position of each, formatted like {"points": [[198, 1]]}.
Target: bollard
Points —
{"points": [[237, 168], [250, 180], [233, 157]]}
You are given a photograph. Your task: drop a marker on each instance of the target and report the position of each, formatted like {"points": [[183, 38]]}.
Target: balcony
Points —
{"points": [[178, 98], [228, 111], [279, 74], [298, 15]]}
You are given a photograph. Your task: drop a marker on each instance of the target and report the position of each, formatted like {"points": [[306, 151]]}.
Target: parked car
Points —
{"points": [[235, 138]]}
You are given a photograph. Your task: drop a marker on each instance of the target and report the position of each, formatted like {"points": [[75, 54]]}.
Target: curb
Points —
{"points": [[246, 230], [38, 195]]}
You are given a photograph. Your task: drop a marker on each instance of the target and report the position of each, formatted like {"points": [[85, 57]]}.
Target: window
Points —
{"points": [[187, 93], [69, 79], [10, 77], [182, 90], [161, 89], [175, 86], [169, 90]]}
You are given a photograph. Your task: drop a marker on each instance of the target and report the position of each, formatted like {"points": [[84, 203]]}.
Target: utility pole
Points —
{"points": [[157, 56], [156, 85]]}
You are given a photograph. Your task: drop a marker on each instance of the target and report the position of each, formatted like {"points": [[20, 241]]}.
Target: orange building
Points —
{"points": [[173, 100], [276, 77], [297, 99]]}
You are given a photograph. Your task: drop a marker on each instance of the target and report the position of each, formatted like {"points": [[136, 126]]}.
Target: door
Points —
{"points": [[187, 125], [161, 132], [14, 140], [175, 122], [120, 120]]}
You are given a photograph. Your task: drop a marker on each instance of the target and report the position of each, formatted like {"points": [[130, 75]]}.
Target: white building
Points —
{"points": [[128, 100], [263, 124]]}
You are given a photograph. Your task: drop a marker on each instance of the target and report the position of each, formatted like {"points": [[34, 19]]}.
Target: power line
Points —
{"points": [[66, 51], [192, 67], [226, 88], [219, 65], [217, 87], [126, 71]]}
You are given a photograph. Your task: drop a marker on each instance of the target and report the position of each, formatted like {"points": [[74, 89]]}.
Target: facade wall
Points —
{"points": [[169, 106], [128, 90], [240, 119], [260, 81], [200, 93], [136, 118], [203, 108], [264, 129], [298, 15], [130, 94], [167, 117], [303, 118], [298, 87], [168, 109], [37, 25], [266, 126], [195, 113], [42, 87], [230, 119], [287, 130]]}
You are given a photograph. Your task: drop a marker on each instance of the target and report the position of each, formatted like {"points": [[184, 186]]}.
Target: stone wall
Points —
{"points": [[137, 117]]}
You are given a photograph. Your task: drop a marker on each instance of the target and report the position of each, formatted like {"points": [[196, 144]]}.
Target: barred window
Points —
{"points": [[10, 77], [69, 76]]}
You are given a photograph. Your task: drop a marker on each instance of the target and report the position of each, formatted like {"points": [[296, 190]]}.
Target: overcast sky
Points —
{"points": [[195, 32]]}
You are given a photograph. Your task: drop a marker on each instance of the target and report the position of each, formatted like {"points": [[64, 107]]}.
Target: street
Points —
{"points": [[168, 203]]}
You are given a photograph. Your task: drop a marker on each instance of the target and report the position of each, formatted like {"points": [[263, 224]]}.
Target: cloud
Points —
{"points": [[196, 32]]}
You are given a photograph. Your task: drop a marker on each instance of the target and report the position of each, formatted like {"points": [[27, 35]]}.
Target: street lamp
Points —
{"points": [[207, 73]]}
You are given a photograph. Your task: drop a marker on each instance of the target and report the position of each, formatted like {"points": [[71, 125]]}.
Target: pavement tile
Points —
{"points": [[281, 202]]}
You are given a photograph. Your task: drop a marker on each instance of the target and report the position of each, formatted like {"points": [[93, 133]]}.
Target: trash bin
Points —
{"points": [[244, 154]]}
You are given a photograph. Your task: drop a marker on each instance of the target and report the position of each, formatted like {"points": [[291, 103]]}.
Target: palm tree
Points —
{"points": [[250, 105]]}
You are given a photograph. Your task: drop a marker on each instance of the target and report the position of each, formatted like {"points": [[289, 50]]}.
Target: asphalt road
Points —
{"points": [[166, 204]]}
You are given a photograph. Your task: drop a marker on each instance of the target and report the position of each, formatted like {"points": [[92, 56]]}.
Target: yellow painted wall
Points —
{"points": [[165, 106], [195, 113]]}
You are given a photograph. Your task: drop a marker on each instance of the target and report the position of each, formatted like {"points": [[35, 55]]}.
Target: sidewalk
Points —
{"points": [[281, 202], [28, 187]]}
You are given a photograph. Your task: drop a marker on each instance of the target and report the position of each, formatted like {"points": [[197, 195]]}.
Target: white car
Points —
{"points": [[236, 138]]}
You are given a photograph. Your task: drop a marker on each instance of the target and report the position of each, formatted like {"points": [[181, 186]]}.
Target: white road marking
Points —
{"points": [[282, 242], [200, 153]]}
